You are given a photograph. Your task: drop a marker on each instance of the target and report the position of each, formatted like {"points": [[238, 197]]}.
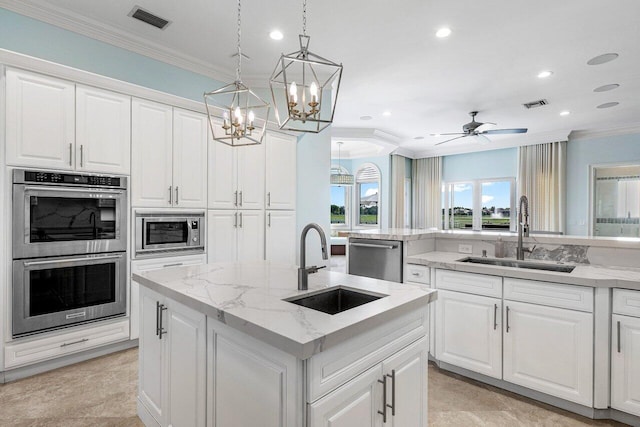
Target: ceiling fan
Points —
{"points": [[471, 129]]}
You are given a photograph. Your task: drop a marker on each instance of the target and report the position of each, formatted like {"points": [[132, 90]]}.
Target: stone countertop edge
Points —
{"points": [[300, 349], [587, 275]]}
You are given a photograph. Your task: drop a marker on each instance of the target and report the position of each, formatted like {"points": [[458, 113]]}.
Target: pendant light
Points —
{"points": [[244, 114], [340, 178], [304, 87]]}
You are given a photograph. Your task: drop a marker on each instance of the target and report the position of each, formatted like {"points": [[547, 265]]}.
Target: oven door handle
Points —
{"points": [[83, 190], [59, 261]]}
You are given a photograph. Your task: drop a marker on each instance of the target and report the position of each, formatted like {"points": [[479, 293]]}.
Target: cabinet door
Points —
{"points": [[251, 177], [281, 237], [549, 350], [223, 183], [625, 364], [250, 235], [281, 171], [355, 403], [186, 365], [151, 130], [151, 385], [103, 131], [408, 368], [189, 159], [222, 229], [468, 332], [40, 126]]}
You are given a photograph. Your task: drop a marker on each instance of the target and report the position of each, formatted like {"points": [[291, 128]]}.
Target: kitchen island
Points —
{"points": [[222, 345]]}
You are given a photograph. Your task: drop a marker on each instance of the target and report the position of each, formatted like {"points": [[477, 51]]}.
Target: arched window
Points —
{"points": [[340, 201], [368, 195]]}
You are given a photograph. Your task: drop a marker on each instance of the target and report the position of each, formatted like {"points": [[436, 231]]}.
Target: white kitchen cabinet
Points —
{"points": [[235, 235], [103, 131], [469, 332], [550, 350], [172, 375], [169, 156], [281, 237], [40, 120], [54, 124], [625, 363], [281, 159], [236, 176]]}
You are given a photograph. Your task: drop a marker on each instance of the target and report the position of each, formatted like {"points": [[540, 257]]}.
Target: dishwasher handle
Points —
{"points": [[372, 245]]}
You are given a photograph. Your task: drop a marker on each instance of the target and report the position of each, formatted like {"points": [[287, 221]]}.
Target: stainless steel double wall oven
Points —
{"points": [[69, 249]]}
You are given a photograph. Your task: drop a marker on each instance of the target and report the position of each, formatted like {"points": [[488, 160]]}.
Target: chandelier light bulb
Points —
{"points": [[313, 90], [293, 92], [251, 118], [238, 115]]}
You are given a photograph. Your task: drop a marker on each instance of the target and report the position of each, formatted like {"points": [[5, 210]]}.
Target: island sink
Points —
{"points": [[335, 300], [520, 264]]}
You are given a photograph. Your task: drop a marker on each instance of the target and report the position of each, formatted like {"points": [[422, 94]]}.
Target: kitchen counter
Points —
{"points": [[585, 275], [249, 297]]}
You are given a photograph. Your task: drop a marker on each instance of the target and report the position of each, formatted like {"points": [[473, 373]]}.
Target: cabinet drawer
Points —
{"points": [[627, 302], [138, 266], [37, 350], [417, 273], [552, 294], [471, 283]]}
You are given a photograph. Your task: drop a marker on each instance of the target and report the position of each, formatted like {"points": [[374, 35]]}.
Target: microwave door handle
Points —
{"points": [[66, 260], [75, 190]]}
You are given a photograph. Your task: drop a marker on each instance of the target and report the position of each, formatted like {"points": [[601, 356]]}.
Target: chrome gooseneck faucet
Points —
{"points": [[303, 271], [523, 227]]}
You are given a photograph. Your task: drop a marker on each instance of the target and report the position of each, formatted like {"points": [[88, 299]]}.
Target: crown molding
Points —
{"points": [[591, 134], [117, 37]]}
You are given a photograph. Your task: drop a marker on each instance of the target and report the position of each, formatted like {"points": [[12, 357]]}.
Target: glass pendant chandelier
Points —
{"points": [[304, 87], [244, 114], [337, 177]]}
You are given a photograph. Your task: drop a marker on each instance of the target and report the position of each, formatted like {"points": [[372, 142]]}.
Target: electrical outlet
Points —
{"points": [[465, 249]]}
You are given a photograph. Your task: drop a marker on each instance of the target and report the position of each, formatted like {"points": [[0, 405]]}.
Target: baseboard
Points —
{"points": [[145, 416]]}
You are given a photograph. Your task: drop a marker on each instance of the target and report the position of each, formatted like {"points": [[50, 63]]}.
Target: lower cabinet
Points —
{"points": [[172, 368], [625, 364]]}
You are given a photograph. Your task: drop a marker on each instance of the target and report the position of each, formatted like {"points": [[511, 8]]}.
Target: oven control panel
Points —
{"points": [[69, 179]]}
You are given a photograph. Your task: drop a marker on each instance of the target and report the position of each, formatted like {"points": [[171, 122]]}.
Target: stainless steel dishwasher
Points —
{"points": [[379, 259]]}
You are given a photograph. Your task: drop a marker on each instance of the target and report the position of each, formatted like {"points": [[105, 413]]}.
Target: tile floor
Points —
{"points": [[102, 392]]}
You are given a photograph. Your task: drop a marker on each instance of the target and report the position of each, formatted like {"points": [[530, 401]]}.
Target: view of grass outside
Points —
{"points": [[368, 209], [338, 202], [496, 205]]}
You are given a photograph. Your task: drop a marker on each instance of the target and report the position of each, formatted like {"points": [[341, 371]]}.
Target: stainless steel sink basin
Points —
{"points": [[520, 264], [335, 300]]}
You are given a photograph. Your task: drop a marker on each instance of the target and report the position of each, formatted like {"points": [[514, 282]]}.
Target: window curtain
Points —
{"points": [[398, 174], [542, 178], [427, 192]]}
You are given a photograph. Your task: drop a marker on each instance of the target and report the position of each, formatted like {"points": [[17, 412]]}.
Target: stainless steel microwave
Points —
{"points": [[158, 233]]}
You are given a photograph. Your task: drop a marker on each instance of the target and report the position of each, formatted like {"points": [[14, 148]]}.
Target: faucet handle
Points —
{"points": [[315, 268]]}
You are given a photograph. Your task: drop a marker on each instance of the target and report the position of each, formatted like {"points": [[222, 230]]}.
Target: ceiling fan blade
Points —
{"points": [[455, 133], [503, 131], [482, 140], [452, 139]]}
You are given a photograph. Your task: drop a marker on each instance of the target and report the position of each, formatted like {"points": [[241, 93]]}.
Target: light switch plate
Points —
{"points": [[465, 249]]}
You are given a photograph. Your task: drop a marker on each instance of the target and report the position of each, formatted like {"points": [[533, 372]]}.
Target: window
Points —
{"points": [[368, 195], [479, 205], [340, 202]]}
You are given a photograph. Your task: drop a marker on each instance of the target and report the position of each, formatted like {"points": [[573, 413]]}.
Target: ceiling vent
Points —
{"points": [[149, 18], [536, 104]]}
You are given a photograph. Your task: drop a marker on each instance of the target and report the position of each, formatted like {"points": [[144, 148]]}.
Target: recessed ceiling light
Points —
{"points": [[606, 87], [418, 137], [544, 74], [601, 59], [443, 32], [386, 113], [608, 105], [276, 35], [565, 113], [366, 117]]}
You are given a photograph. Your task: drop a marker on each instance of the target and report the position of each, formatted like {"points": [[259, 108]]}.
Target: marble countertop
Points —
{"points": [[585, 275], [249, 297]]}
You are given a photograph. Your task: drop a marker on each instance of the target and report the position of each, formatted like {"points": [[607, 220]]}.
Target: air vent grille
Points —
{"points": [[536, 104], [148, 17]]}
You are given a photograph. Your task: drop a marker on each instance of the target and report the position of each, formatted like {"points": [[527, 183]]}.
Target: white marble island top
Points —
{"points": [[585, 275], [249, 297]]}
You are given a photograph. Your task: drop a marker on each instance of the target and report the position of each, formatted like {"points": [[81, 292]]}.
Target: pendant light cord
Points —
{"points": [[239, 67], [304, 17]]}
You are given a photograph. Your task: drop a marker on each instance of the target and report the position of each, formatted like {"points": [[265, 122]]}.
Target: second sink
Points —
{"points": [[520, 264], [335, 300]]}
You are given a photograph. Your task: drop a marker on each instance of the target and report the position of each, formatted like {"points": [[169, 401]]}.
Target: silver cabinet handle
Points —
{"points": [[74, 342], [495, 316], [240, 220], [235, 219], [177, 264], [508, 319], [161, 330], [176, 194], [157, 317], [70, 154], [241, 198], [81, 155], [235, 198], [269, 198], [371, 245], [383, 381], [415, 273], [269, 219], [393, 392], [619, 344], [170, 194]]}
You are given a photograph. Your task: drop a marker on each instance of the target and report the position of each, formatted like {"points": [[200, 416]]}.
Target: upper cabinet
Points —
{"points": [[52, 123], [281, 171], [169, 156]]}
